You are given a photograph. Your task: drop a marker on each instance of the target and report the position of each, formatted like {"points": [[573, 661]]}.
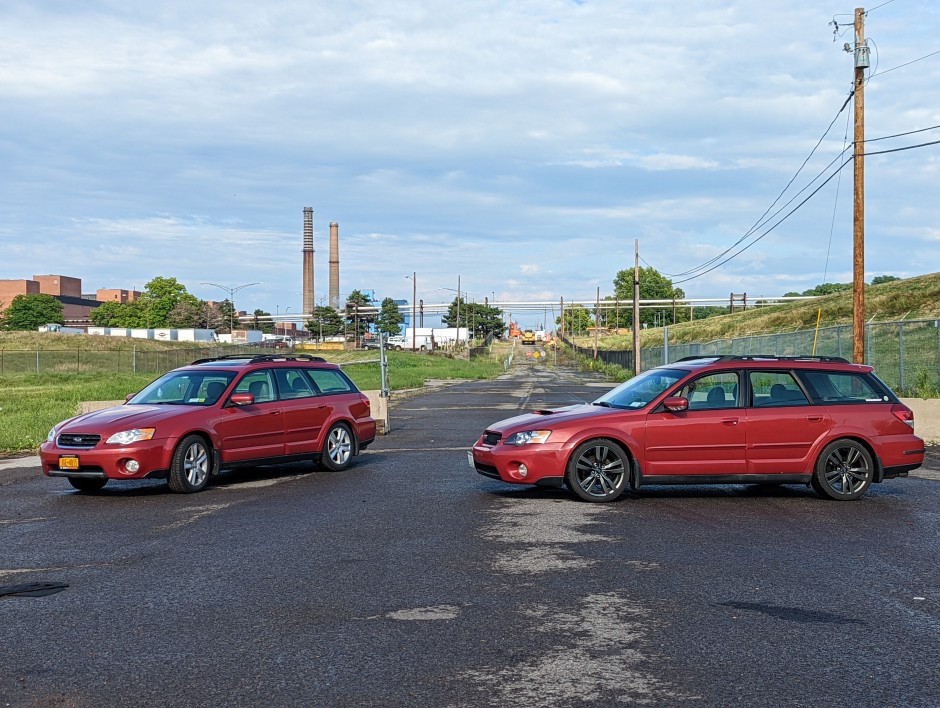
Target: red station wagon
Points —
{"points": [[216, 413], [727, 420]]}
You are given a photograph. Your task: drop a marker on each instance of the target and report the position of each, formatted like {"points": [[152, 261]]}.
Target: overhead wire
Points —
{"points": [[760, 221]]}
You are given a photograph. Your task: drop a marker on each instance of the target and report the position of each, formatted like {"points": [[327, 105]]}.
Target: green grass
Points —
{"points": [[30, 404]]}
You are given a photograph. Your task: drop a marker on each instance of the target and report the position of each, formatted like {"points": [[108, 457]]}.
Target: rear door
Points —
{"points": [[782, 424], [305, 411]]}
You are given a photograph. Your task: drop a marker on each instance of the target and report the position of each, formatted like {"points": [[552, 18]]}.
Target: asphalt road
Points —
{"points": [[411, 580]]}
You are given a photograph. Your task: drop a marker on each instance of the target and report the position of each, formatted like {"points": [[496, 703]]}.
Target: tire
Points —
{"points": [[844, 471], [191, 465], [398, 348], [87, 484], [338, 448], [598, 471]]}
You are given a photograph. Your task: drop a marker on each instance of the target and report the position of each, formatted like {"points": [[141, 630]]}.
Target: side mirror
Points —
{"points": [[676, 404], [241, 399]]}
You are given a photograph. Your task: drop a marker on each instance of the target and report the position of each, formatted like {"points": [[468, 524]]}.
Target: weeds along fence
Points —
{"points": [[71, 361], [905, 354], [620, 357]]}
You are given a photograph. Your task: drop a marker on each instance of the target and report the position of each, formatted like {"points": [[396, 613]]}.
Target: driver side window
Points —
{"points": [[712, 392]]}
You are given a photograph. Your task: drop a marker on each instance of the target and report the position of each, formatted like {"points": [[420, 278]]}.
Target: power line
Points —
{"points": [[757, 225], [901, 66], [900, 135], [909, 147], [876, 7]]}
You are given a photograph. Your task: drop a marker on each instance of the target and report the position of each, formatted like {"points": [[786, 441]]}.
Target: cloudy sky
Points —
{"points": [[521, 146]]}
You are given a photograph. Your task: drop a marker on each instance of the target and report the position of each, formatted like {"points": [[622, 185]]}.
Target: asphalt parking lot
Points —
{"points": [[411, 579]]}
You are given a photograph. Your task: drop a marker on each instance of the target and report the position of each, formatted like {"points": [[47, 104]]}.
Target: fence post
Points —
{"points": [[665, 345], [901, 353], [135, 358], [37, 361]]}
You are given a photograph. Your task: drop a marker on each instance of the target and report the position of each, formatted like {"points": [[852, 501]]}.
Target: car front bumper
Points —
{"points": [[520, 464], [108, 461]]}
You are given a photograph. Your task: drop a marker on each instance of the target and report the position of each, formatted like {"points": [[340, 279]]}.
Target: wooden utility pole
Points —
{"points": [[636, 307], [858, 279], [597, 320]]}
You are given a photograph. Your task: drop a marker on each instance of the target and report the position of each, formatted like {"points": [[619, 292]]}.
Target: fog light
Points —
{"points": [[523, 470], [132, 466]]}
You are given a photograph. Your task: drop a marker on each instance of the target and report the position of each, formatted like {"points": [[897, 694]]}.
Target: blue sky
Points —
{"points": [[522, 146]]}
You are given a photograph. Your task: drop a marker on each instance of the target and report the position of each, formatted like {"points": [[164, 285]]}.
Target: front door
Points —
{"points": [[256, 430], [707, 439]]}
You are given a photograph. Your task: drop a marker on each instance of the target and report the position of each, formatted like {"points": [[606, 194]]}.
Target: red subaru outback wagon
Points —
{"points": [[721, 420], [216, 413]]}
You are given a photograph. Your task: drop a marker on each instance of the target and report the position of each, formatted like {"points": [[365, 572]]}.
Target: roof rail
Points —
{"points": [[254, 358], [767, 357]]}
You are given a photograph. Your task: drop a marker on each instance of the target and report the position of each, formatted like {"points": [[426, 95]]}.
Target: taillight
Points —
{"points": [[904, 414]]}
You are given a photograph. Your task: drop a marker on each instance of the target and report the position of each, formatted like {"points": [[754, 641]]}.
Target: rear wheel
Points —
{"points": [[338, 448], [191, 465], [87, 484], [598, 471], [844, 471]]}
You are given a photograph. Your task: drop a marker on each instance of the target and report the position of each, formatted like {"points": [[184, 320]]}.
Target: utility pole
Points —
{"points": [[636, 307], [858, 261], [597, 320]]}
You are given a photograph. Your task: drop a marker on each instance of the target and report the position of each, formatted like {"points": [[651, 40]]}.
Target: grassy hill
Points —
{"points": [[910, 299]]}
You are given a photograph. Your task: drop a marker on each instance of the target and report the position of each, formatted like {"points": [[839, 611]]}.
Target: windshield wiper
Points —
{"points": [[605, 404]]}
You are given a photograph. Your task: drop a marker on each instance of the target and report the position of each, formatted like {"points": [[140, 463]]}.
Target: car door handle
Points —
{"points": [[730, 421], [814, 418]]}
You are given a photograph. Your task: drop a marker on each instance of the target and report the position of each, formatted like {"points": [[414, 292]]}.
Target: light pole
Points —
{"points": [[231, 298], [414, 309]]}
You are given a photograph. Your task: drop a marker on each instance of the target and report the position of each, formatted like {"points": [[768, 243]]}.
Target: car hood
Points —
{"points": [[550, 418], [124, 417]]}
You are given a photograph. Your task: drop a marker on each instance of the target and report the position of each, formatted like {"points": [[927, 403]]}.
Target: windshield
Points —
{"points": [[640, 390], [186, 388]]}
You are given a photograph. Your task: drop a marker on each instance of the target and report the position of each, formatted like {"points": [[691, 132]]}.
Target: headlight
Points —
{"points": [[51, 436], [126, 437], [528, 437]]}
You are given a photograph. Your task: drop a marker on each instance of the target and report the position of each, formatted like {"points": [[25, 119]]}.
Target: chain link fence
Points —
{"points": [[905, 354], [72, 361]]}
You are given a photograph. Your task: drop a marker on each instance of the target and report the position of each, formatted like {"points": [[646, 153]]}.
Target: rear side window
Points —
{"points": [[330, 381], [293, 384], [775, 388], [844, 388]]}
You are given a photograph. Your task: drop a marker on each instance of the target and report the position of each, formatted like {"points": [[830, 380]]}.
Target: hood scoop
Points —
{"points": [[544, 411]]}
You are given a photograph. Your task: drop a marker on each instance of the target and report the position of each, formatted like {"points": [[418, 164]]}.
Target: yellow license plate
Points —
{"points": [[68, 463]]}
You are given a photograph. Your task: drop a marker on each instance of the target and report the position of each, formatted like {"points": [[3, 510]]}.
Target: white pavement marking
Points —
{"points": [[424, 614], [193, 514], [22, 521]]}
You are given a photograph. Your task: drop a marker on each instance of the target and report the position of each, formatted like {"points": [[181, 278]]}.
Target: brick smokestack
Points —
{"points": [[308, 261], [334, 265]]}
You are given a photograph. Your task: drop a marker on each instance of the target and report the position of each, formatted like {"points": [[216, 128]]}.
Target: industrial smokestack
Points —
{"points": [[308, 261], [334, 265]]}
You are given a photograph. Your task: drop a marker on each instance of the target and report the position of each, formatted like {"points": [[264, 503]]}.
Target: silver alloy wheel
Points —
{"points": [[847, 470], [339, 445], [196, 464], [600, 471]]}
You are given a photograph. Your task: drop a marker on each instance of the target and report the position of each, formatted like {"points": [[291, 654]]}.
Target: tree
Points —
{"points": [[653, 286], [226, 315], [878, 280], [326, 322], [577, 318], [265, 325], [29, 312], [390, 318], [478, 319], [356, 320], [189, 312]]}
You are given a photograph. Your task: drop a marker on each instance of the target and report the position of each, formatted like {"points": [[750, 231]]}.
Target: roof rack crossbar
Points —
{"points": [[769, 357]]}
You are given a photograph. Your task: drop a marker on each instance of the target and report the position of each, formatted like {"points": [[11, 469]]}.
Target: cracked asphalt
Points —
{"points": [[409, 579]]}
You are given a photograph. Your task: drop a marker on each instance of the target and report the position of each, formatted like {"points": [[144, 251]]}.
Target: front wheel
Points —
{"points": [[844, 471], [191, 465], [598, 471], [338, 448], [87, 484]]}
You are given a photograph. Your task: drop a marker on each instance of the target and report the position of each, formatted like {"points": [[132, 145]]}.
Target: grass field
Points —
{"points": [[30, 403]]}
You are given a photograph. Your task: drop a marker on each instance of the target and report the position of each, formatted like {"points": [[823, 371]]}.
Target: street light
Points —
{"points": [[231, 298], [414, 309]]}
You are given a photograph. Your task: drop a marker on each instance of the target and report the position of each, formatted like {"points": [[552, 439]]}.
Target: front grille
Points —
{"points": [[491, 438], [86, 440]]}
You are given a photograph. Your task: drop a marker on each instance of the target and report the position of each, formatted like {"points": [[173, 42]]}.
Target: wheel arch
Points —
{"points": [[629, 445], [878, 472]]}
